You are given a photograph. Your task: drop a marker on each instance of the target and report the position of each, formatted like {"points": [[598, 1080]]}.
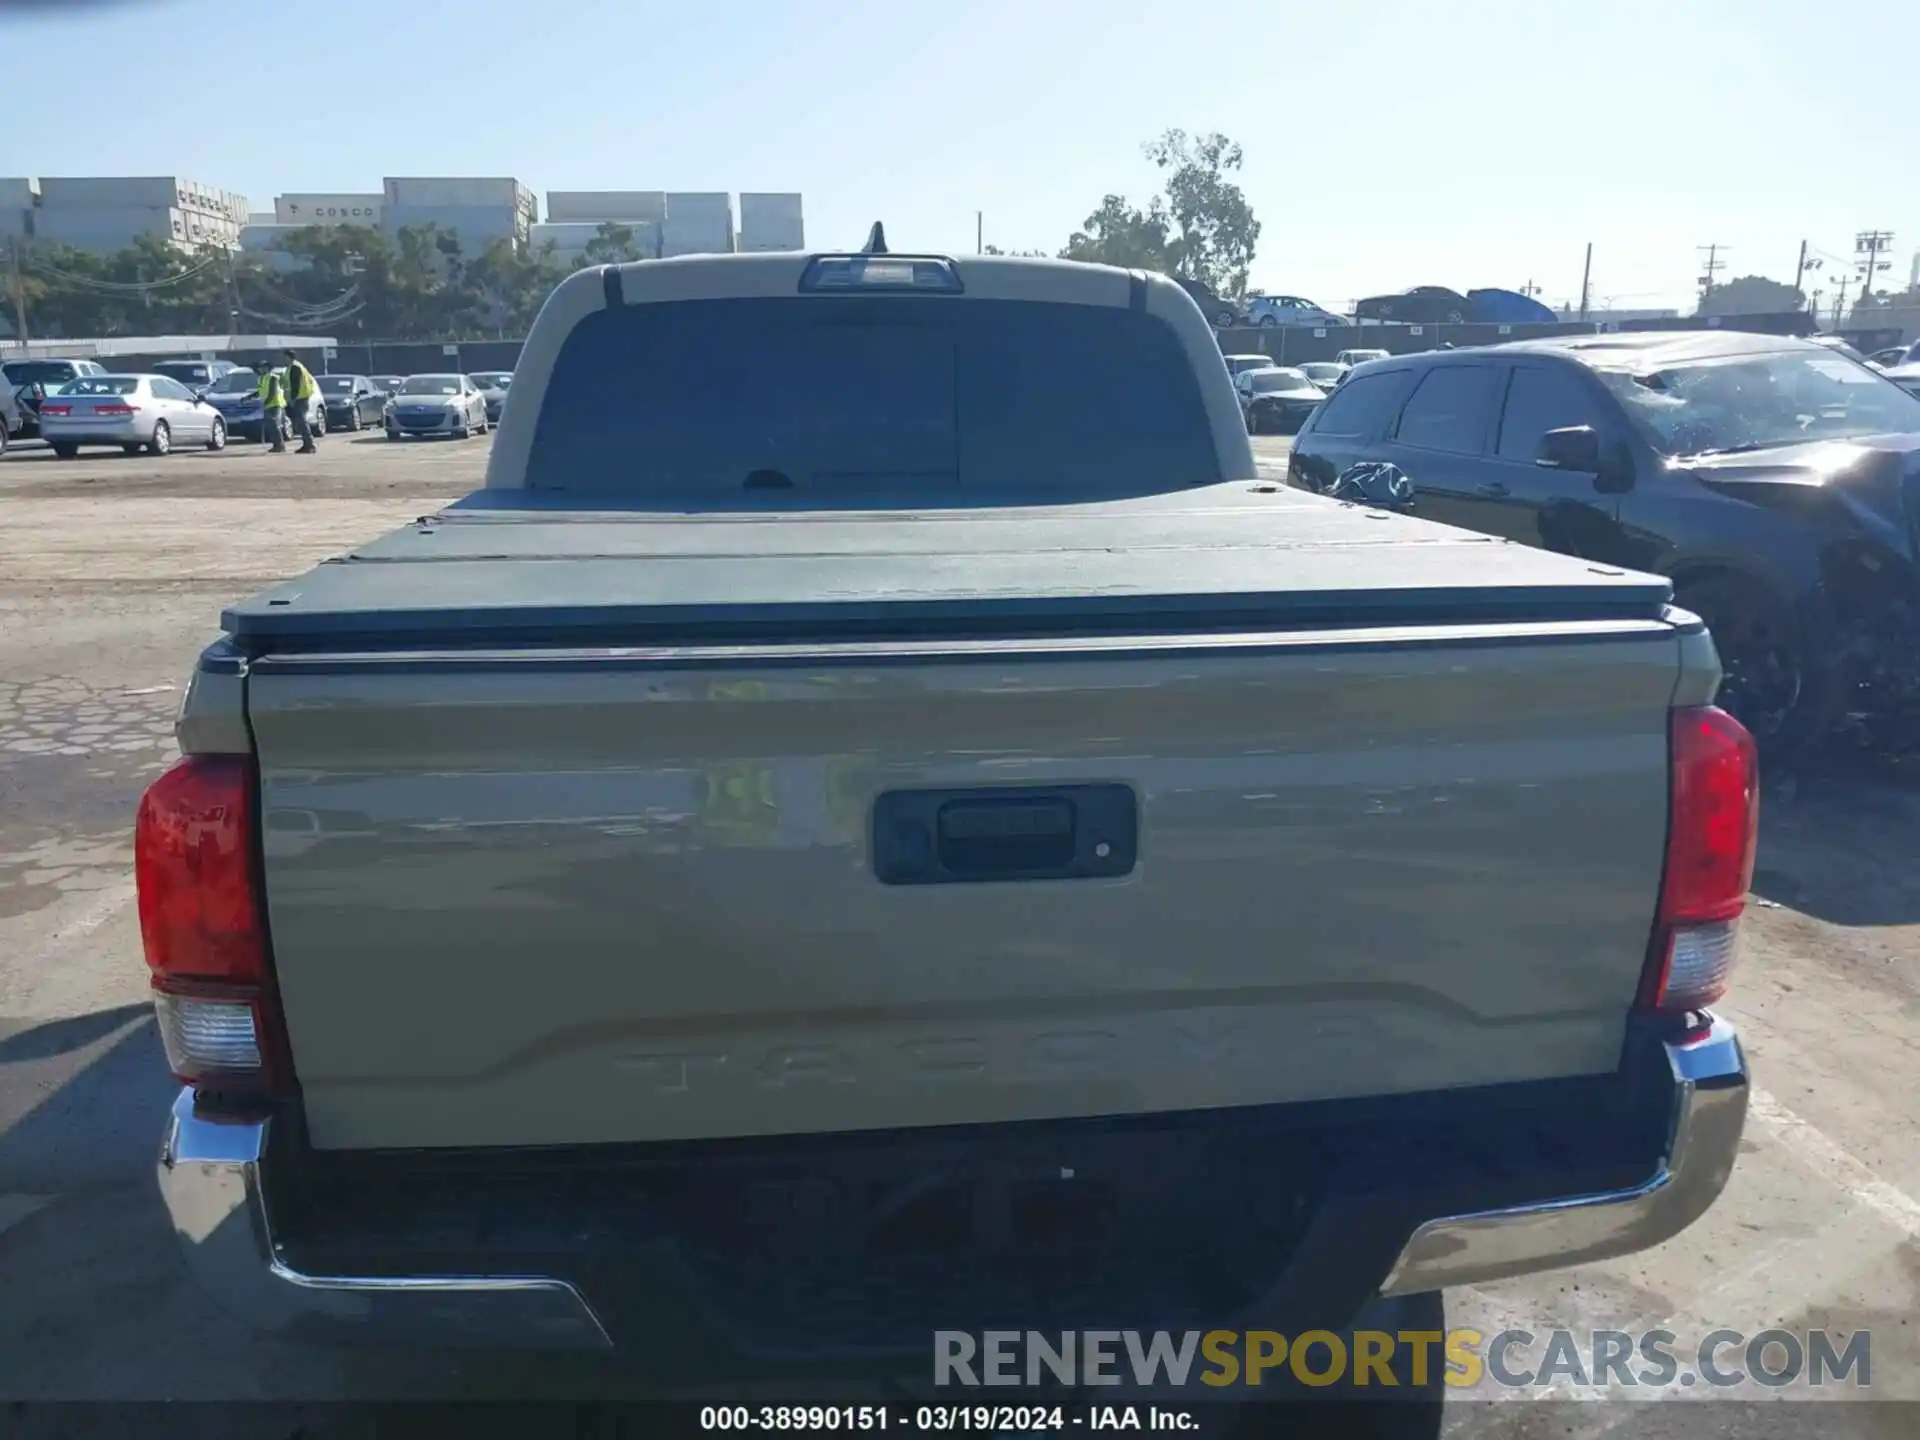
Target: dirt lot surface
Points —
{"points": [[112, 574]]}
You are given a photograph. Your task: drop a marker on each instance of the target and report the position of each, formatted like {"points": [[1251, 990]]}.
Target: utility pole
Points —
{"points": [[19, 296], [1800, 269], [979, 232], [1586, 282], [1870, 243], [1714, 265], [1840, 300]]}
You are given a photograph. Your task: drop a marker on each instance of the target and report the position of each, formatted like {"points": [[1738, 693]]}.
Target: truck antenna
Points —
{"points": [[876, 240]]}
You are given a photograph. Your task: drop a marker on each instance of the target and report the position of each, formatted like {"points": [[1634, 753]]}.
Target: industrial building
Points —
{"points": [[105, 214]]}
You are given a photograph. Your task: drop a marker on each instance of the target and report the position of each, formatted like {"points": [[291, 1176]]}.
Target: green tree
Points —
{"points": [[1119, 234], [1215, 233], [1752, 295], [613, 244]]}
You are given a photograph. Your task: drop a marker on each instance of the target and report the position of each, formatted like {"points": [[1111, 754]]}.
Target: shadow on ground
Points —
{"points": [[1837, 841]]}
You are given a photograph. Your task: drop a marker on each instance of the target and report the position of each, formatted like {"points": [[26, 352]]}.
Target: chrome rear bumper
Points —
{"points": [[1710, 1109], [212, 1176]]}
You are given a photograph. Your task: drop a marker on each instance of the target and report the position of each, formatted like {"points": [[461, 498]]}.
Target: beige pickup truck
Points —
{"points": [[927, 838]]}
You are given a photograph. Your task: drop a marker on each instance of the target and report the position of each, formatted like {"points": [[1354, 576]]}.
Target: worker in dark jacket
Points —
{"points": [[300, 392]]}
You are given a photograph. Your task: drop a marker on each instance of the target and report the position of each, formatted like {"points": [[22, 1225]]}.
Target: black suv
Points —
{"points": [[1776, 481]]}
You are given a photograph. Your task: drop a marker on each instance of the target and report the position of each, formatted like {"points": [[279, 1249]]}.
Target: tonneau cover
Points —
{"points": [[1245, 551]]}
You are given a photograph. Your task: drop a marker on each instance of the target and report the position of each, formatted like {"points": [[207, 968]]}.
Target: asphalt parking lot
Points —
{"points": [[112, 574]]}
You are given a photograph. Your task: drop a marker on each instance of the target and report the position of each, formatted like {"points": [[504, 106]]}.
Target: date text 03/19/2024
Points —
{"points": [[971, 1419]]}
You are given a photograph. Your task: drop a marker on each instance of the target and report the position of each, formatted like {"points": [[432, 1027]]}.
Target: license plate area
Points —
{"points": [[954, 837]]}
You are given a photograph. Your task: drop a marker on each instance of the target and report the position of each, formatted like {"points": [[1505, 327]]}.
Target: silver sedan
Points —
{"points": [[153, 413], [436, 405]]}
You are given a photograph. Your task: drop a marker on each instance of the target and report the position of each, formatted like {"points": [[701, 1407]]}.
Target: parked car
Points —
{"points": [[135, 412], [236, 395], [1508, 307], [435, 405], [1349, 967], [493, 384], [1265, 310], [1327, 374], [387, 383], [33, 380], [1223, 314], [1707, 456], [1907, 377], [352, 401], [194, 374], [1350, 358], [1277, 399], [1422, 305], [1892, 355], [1252, 360]]}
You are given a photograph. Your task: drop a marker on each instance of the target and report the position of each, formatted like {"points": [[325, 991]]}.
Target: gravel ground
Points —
{"points": [[112, 574]]}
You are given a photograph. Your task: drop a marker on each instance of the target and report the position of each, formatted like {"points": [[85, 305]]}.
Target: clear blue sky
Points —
{"points": [[1387, 143]]}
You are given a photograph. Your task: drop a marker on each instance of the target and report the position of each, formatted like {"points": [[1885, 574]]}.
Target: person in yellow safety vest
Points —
{"points": [[273, 403], [300, 393]]}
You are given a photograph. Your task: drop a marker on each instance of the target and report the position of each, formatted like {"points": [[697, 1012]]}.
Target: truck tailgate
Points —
{"points": [[550, 895]]}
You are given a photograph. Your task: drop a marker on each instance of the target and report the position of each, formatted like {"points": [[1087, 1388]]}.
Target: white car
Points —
{"points": [[436, 405], [153, 413], [1327, 374], [1907, 377], [1267, 310], [1237, 363], [1359, 357]]}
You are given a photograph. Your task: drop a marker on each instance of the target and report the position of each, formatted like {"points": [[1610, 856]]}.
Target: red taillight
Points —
{"points": [[200, 924], [47, 407], [1712, 828]]}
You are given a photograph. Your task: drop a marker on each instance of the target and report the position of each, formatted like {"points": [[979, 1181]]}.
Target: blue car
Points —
{"points": [[236, 395], [1507, 307]]}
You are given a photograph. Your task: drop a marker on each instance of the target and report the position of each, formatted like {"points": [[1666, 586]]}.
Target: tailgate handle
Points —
{"points": [[936, 837], [1005, 837]]}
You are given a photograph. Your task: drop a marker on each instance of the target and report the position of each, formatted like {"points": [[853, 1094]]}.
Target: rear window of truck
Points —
{"points": [[909, 398]]}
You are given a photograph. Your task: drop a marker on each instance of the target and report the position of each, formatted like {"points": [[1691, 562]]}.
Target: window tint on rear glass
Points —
{"points": [[1540, 399], [910, 398], [1360, 406], [1449, 409]]}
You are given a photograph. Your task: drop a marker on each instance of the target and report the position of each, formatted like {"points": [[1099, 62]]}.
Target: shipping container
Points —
{"points": [[708, 207], [771, 208], [685, 237], [459, 192], [329, 209], [55, 221], [476, 226], [571, 206], [118, 192], [19, 194], [570, 238]]}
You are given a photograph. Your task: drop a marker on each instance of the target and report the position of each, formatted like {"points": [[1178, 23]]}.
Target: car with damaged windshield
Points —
{"points": [[934, 840], [1774, 480]]}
